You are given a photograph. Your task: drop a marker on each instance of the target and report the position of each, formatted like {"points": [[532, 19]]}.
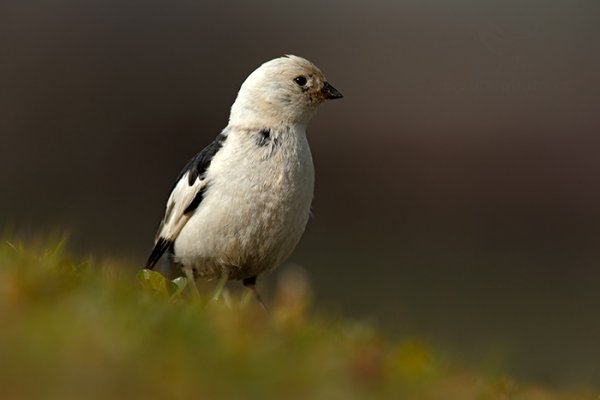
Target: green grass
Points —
{"points": [[79, 330]]}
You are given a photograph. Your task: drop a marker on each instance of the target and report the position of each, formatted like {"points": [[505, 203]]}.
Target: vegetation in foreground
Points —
{"points": [[73, 330]]}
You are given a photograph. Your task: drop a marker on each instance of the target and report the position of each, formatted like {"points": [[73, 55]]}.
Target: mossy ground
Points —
{"points": [[82, 330]]}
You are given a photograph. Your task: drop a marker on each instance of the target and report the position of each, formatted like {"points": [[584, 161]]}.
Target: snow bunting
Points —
{"points": [[240, 206]]}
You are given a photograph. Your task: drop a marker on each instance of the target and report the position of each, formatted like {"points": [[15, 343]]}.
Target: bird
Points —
{"points": [[240, 206]]}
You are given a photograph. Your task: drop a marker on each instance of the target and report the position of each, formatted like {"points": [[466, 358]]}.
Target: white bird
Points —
{"points": [[240, 206]]}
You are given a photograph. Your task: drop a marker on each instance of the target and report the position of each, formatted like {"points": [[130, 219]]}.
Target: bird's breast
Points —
{"points": [[256, 206]]}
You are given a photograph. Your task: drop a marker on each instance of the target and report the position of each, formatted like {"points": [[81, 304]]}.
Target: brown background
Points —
{"points": [[458, 182]]}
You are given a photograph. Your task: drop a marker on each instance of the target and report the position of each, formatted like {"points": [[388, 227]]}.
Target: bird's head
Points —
{"points": [[284, 90]]}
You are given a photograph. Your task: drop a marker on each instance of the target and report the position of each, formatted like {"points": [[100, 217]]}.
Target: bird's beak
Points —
{"points": [[330, 93]]}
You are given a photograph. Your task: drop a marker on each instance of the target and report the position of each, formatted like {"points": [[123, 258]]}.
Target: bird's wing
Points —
{"points": [[185, 198]]}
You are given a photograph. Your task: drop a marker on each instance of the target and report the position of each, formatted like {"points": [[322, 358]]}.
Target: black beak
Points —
{"points": [[330, 93]]}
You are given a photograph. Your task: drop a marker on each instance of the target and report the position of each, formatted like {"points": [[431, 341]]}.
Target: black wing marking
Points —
{"points": [[197, 166], [197, 200], [160, 247], [175, 218]]}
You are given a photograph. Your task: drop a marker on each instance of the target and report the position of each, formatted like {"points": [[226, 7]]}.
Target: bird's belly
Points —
{"points": [[247, 223]]}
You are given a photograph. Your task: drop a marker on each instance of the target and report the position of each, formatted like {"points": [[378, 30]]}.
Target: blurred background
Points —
{"points": [[457, 191]]}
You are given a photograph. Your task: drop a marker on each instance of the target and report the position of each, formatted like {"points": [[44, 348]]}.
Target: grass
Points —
{"points": [[75, 330]]}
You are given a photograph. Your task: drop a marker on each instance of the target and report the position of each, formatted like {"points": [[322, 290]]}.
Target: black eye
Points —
{"points": [[300, 80]]}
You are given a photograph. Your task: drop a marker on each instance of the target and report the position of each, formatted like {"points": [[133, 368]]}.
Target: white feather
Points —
{"points": [[256, 206], [181, 197]]}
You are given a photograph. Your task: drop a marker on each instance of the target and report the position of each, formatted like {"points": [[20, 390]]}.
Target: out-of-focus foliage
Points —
{"points": [[75, 330]]}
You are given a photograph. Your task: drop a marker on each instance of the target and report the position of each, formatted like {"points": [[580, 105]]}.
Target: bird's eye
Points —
{"points": [[300, 80]]}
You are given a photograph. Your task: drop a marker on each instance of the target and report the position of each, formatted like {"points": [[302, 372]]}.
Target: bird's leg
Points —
{"points": [[250, 283], [189, 274], [226, 298], [220, 287]]}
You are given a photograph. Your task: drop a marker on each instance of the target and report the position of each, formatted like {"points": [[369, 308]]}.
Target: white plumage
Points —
{"points": [[241, 205]]}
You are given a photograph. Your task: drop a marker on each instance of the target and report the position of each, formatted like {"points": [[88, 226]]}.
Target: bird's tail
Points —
{"points": [[160, 247]]}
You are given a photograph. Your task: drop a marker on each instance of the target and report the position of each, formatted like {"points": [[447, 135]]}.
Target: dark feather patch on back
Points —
{"points": [[197, 200], [264, 137], [160, 247], [198, 165]]}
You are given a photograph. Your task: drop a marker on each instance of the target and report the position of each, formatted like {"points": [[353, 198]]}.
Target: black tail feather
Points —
{"points": [[160, 247]]}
